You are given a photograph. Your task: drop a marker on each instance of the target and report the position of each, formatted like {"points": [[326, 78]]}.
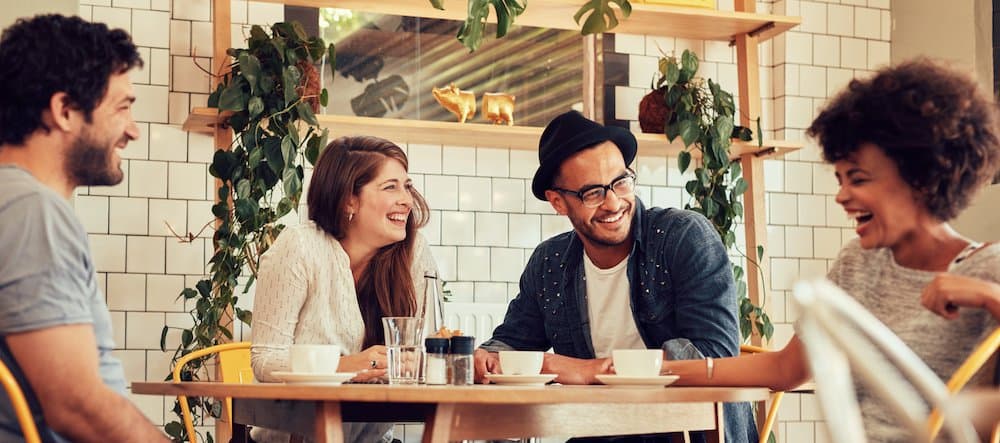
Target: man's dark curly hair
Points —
{"points": [[47, 54], [935, 123]]}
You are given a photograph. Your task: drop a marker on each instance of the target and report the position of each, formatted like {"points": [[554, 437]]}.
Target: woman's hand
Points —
{"points": [[370, 376], [947, 292], [372, 358]]}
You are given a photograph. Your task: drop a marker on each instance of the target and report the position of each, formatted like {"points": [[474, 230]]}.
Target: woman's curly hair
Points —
{"points": [[934, 122], [46, 54]]}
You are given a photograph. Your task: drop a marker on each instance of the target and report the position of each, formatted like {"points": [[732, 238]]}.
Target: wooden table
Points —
{"points": [[472, 412]]}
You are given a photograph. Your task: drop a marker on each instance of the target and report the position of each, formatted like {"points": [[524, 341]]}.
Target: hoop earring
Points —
{"points": [[350, 216]]}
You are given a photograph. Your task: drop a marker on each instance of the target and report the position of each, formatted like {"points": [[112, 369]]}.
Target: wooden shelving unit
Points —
{"points": [[651, 19], [204, 120], [744, 29]]}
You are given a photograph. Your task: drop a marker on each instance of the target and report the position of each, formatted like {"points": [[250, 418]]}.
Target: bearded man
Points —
{"points": [[65, 112], [625, 277]]}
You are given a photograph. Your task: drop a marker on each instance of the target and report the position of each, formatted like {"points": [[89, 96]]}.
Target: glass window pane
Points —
{"points": [[387, 65]]}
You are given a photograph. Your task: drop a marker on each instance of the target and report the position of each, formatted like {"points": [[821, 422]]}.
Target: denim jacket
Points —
{"points": [[683, 297]]}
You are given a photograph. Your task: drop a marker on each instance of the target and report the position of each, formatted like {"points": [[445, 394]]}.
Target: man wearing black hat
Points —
{"points": [[626, 277]]}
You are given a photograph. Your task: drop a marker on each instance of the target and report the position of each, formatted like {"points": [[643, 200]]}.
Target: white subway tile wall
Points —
{"points": [[854, 53], [485, 221], [458, 160], [141, 75], [93, 212], [642, 70], [167, 215], [130, 215], [474, 193], [109, 252], [492, 162], [508, 195]]}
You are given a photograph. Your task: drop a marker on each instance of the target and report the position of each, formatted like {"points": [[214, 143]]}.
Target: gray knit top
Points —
{"points": [[892, 293]]}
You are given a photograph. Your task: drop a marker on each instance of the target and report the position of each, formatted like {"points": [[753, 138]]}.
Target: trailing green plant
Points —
{"points": [[701, 113], [445, 292], [601, 17], [270, 96]]}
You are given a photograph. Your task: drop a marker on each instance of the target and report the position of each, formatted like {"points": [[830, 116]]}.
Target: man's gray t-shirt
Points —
{"points": [[47, 275]]}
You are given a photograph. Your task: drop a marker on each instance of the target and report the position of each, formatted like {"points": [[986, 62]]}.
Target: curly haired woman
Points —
{"points": [[910, 147]]}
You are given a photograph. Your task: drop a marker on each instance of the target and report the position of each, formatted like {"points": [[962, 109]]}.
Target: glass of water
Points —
{"points": [[404, 341]]}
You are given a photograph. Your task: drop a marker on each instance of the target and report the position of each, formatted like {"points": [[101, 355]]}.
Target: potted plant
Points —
{"points": [[701, 113], [269, 98]]}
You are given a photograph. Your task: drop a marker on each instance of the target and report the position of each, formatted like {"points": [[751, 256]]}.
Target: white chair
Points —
{"points": [[840, 335]]}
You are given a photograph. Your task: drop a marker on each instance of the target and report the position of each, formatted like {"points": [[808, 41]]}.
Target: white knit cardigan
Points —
{"points": [[305, 294]]}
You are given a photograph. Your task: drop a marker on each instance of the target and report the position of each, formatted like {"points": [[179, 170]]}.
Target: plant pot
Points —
{"points": [[653, 111], [309, 86]]}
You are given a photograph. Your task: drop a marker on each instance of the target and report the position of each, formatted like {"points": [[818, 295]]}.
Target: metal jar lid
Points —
{"points": [[463, 345], [436, 345]]}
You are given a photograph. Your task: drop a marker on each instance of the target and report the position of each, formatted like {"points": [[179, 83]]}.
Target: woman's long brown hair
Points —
{"points": [[386, 286]]}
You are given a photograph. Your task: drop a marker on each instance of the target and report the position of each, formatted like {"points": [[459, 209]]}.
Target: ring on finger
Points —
{"points": [[373, 364]]}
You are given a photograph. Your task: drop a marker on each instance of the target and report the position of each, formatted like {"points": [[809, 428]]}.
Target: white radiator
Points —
{"points": [[475, 319]]}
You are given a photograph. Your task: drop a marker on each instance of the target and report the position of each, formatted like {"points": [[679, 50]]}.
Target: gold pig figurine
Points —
{"points": [[459, 102], [499, 107]]}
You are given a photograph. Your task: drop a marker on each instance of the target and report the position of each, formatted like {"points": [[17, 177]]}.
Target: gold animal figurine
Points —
{"points": [[459, 102], [499, 107]]}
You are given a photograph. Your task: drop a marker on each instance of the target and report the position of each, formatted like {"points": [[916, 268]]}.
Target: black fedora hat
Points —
{"points": [[568, 134]]}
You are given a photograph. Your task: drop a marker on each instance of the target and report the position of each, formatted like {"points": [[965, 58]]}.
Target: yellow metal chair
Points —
{"points": [[963, 374], [234, 360], [20, 405], [772, 411]]}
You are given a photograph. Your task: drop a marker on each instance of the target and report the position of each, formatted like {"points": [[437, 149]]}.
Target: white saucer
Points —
{"points": [[521, 380], [622, 380], [313, 378]]}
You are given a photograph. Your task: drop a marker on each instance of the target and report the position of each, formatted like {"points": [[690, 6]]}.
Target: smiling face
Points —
{"points": [[886, 210], [93, 159], [606, 229], [382, 207]]}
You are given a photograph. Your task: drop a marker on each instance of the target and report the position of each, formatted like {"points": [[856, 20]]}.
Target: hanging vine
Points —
{"points": [[270, 97], [701, 113]]}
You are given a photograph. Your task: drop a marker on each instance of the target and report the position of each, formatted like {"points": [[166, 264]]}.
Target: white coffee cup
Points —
{"points": [[521, 362], [314, 359], [637, 362]]}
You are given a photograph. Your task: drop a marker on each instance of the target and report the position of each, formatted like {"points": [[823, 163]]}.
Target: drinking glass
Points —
{"points": [[404, 342]]}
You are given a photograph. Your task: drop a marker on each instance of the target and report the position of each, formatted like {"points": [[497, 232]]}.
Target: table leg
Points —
{"points": [[718, 435], [329, 426], [437, 427]]}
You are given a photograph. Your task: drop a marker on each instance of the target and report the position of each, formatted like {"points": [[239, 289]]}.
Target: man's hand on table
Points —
{"points": [[486, 362], [575, 371], [572, 371]]}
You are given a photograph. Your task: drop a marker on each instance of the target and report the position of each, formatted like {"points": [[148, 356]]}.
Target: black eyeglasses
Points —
{"points": [[594, 195]]}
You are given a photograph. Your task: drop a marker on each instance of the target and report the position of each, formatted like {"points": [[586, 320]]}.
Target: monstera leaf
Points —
{"points": [[381, 97], [602, 16], [471, 32]]}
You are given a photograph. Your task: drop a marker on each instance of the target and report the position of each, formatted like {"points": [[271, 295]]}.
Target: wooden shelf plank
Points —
{"points": [[203, 120], [649, 19]]}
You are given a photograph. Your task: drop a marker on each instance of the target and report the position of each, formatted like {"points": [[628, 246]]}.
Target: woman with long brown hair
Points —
{"points": [[358, 259]]}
